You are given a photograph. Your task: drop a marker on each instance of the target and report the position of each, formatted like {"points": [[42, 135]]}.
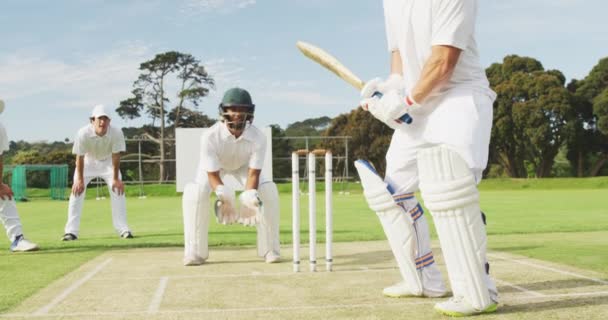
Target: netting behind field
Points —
{"points": [[58, 180]]}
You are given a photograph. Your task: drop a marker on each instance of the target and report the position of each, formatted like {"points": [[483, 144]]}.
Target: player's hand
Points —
{"points": [[392, 105], [5, 192], [368, 91], [118, 187], [225, 209], [77, 187], [393, 82], [383, 109], [251, 207]]}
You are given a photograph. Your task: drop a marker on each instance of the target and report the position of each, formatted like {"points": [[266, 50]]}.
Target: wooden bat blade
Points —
{"points": [[328, 61]]}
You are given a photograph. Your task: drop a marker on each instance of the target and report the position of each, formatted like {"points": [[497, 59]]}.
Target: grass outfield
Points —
{"points": [[559, 220]]}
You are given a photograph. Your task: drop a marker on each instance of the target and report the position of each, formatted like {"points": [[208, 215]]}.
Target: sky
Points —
{"points": [[60, 58]]}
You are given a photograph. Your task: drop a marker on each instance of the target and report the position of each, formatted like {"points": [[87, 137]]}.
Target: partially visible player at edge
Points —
{"points": [[436, 77], [234, 149], [8, 208]]}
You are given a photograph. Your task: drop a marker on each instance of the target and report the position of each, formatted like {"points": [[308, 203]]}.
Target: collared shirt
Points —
{"points": [[90, 145], [414, 26], [221, 150], [3, 140]]}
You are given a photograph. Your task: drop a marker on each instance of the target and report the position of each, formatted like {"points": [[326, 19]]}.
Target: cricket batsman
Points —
{"points": [[437, 78]]}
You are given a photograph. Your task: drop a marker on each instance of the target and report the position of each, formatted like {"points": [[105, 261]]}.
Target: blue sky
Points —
{"points": [[60, 58]]}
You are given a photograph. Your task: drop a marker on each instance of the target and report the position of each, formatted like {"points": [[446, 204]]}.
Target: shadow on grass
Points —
{"points": [[515, 249]]}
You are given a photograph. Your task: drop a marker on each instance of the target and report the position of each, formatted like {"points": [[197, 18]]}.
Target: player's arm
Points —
{"points": [[253, 179], [214, 179], [117, 184], [78, 185], [5, 191], [438, 68], [396, 63]]}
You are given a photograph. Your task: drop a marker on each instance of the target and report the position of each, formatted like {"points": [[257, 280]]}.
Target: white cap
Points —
{"points": [[99, 111], [1, 106]]}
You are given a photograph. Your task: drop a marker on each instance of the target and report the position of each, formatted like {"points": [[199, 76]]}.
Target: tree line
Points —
{"points": [[543, 126]]}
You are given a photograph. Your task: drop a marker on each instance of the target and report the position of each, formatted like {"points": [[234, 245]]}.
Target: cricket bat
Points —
{"points": [[332, 64]]}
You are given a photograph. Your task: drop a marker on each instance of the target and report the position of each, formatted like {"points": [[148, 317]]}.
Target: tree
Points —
{"points": [[370, 137], [530, 115], [588, 141], [313, 127], [280, 150], [150, 94]]}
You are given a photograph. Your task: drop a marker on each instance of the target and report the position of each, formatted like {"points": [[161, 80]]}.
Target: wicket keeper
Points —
{"points": [[231, 148]]}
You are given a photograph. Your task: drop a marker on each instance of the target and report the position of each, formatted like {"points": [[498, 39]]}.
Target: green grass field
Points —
{"points": [[559, 220]]}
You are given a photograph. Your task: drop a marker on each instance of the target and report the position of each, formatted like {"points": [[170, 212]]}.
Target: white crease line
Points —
{"points": [[219, 310], [550, 269], [158, 296], [294, 308], [250, 274], [44, 310], [530, 292], [564, 295]]}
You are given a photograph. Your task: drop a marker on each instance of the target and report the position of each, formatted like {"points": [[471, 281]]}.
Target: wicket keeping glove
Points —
{"points": [[225, 209], [250, 207]]}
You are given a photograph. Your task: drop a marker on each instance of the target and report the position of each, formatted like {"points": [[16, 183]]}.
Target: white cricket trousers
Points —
{"points": [[94, 169], [10, 219]]}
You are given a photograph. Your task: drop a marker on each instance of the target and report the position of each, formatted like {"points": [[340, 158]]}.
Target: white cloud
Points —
{"points": [[193, 7], [79, 83], [299, 97], [229, 72]]}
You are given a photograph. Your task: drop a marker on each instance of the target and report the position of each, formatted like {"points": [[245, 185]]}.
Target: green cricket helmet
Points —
{"points": [[236, 109]]}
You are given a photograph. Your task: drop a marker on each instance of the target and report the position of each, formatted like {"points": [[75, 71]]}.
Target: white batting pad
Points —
{"points": [[397, 224], [449, 190], [268, 225], [195, 208]]}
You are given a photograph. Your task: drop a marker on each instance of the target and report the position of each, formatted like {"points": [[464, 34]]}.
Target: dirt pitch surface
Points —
{"points": [[235, 284]]}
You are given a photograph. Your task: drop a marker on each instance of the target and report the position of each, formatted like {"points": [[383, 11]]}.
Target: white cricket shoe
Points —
{"points": [[272, 257], [193, 260], [459, 307], [400, 290], [21, 244]]}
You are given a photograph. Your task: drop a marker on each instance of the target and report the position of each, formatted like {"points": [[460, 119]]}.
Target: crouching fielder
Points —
{"points": [[443, 151], [231, 149]]}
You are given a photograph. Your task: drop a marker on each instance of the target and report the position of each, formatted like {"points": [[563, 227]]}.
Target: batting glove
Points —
{"points": [[393, 82], [368, 91]]}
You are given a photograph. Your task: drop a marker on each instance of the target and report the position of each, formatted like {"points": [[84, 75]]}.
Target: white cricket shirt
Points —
{"points": [[89, 144], [414, 26], [221, 150]]}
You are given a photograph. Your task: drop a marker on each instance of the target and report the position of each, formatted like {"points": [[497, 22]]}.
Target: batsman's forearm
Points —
{"points": [[396, 63], [436, 71]]}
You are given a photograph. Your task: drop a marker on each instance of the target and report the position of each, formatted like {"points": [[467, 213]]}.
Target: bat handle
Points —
{"points": [[406, 118]]}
